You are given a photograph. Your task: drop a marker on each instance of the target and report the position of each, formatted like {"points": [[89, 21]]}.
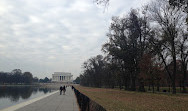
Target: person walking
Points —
{"points": [[61, 88], [64, 89]]}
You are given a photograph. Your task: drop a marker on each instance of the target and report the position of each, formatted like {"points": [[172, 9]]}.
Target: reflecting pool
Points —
{"points": [[12, 95]]}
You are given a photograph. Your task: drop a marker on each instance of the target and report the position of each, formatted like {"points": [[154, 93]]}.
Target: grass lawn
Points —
{"points": [[120, 100]]}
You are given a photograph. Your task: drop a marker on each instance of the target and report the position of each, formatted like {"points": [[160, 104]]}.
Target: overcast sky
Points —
{"points": [[46, 36]]}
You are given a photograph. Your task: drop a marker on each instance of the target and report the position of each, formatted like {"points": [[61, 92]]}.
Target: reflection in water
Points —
{"points": [[14, 93]]}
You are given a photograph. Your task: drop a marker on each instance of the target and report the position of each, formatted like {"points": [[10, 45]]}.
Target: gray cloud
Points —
{"points": [[44, 36]]}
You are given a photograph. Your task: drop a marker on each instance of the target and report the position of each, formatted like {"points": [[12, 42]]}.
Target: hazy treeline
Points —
{"points": [[17, 77], [45, 80], [148, 46]]}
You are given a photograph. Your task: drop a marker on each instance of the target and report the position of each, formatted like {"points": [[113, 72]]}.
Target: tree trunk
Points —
{"points": [[120, 86], [126, 84], [158, 85], [119, 83], [141, 85], [133, 85], [153, 88], [184, 89], [174, 68], [112, 84], [149, 89], [173, 87], [174, 77], [184, 79]]}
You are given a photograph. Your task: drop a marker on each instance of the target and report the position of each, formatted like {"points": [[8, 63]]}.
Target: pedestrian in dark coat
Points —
{"points": [[61, 88], [64, 89]]}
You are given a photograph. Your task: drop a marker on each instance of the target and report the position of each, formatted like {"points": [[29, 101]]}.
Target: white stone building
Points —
{"points": [[62, 77]]}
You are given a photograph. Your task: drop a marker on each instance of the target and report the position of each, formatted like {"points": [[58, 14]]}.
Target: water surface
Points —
{"points": [[12, 95]]}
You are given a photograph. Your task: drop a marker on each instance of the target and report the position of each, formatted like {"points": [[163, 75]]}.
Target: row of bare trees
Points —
{"points": [[147, 47]]}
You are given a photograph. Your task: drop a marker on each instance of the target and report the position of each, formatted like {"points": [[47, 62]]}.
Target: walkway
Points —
{"points": [[54, 102]]}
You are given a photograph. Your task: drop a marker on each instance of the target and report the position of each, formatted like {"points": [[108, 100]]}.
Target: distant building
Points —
{"points": [[62, 77]]}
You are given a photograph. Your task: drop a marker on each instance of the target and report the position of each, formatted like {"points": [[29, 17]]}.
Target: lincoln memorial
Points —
{"points": [[62, 77]]}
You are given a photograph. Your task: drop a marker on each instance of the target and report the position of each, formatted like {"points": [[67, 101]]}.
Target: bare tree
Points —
{"points": [[183, 46], [169, 22]]}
